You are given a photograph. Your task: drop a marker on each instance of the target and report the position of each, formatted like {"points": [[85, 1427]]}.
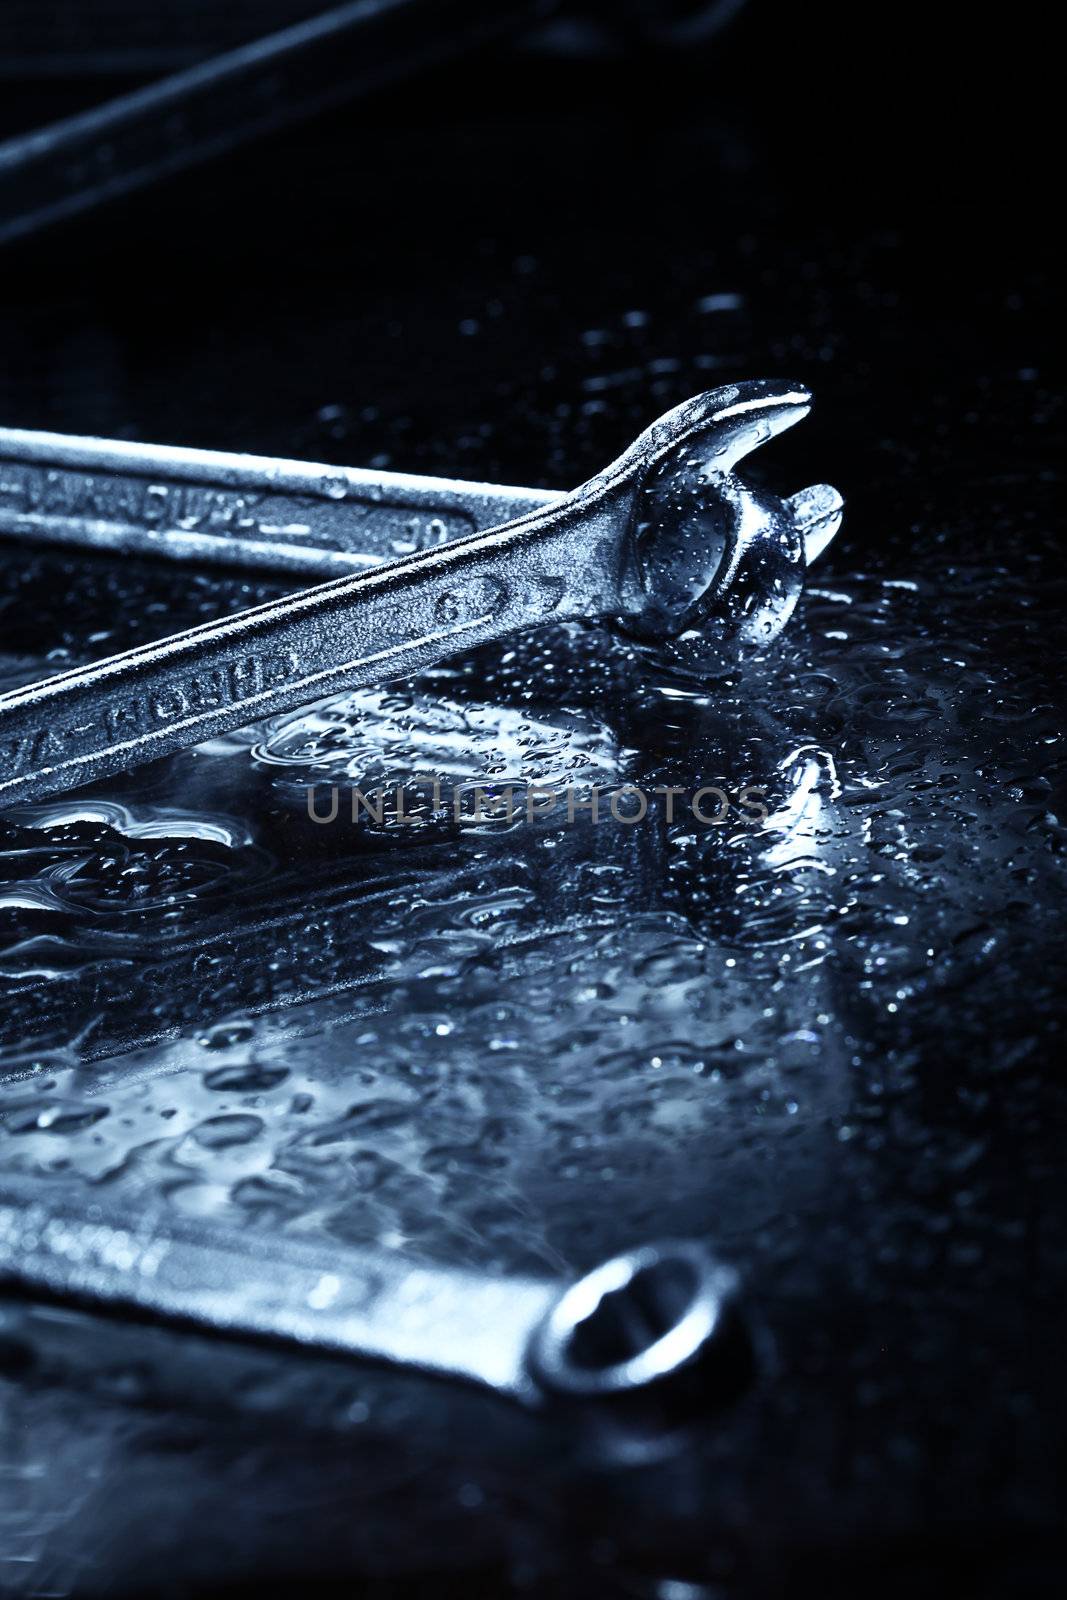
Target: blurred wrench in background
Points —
{"points": [[127, 38], [254, 88], [231, 99]]}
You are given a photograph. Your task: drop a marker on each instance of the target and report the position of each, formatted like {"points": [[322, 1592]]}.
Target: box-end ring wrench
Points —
{"points": [[301, 518], [666, 541], [630, 1325]]}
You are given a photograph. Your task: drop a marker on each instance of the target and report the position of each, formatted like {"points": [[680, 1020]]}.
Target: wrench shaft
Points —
{"points": [[630, 1323], [339, 636], [244, 511], [217, 105], [367, 1304]]}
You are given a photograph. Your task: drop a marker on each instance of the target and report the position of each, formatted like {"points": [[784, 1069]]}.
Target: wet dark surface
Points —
{"points": [[826, 1041]]}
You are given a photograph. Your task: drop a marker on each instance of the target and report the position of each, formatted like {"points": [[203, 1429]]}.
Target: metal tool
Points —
{"points": [[298, 517], [230, 99], [666, 541], [68, 39], [236, 510], [629, 1325], [617, 26]]}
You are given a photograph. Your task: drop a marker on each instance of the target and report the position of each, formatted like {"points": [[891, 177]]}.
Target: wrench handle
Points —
{"points": [[217, 105], [367, 1304], [392, 622], [630, 1323], [299, 517]]}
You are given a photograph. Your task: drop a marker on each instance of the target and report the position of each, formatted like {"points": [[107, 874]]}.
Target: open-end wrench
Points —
{"points": [[298, 517], [630, 1324], [666, 541], [260, 512]]}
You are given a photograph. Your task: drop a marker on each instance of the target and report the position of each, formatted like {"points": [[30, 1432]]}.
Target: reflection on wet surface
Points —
{"points": [[526, 1046], [455, 1035]]}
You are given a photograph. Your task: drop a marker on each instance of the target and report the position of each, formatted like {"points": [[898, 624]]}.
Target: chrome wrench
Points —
{"points": [[666, 541], [244, 511], [299, 517], [629, 1325]]}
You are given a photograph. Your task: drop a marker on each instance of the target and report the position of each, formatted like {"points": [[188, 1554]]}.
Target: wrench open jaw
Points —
{"points": [[666, 540]]}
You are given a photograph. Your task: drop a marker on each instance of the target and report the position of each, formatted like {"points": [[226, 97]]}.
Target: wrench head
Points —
{"points": [[639, 1321], [712, 556]]}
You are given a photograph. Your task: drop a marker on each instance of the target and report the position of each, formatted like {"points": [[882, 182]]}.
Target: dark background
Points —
{"points": [[503, 270]]}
